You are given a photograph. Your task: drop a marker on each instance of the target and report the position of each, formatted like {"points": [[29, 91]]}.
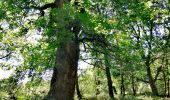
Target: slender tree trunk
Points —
{"points": [[109, 82], [165, 85], [122, 85], [133, 85], [152, 82], [149, 75], [97, 82], [78, 90], [168, 95], [114, 89], [109, 79]]}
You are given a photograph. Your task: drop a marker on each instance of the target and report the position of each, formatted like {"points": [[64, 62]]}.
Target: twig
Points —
{"points": [[6, 55]]}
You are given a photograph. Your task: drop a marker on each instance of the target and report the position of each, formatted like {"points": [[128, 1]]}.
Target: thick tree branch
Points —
{"points": [[142, 80], [155, 58], [46, 6], [159, 69], [50, 5], [95, 38], [96, 50]]}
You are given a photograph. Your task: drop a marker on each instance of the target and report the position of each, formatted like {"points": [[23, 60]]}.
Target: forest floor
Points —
{"points": [[129, 97]]}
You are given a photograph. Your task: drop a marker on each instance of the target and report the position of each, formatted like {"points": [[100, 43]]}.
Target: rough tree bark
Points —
{"points": [[64, 75], [65, 71]]}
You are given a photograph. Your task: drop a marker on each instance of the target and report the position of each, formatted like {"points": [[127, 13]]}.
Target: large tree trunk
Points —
{"points": [[149, 75], [65, 71], [64, 75]]}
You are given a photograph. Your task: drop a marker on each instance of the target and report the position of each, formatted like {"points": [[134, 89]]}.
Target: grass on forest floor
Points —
{"points": [[128, 97], [141, 97]]}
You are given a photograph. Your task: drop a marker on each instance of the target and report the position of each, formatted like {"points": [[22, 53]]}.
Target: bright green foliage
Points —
{"points": [[132, 29]]}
